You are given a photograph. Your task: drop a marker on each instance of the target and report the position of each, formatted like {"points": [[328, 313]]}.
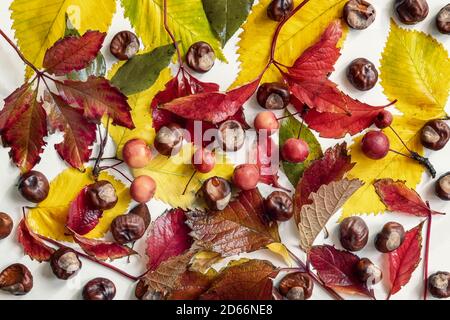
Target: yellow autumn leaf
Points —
{"points": [[173, 174], [415, 69], [281, 250], [186, 19], [38, 24], [50, 216], [203, 260], [299, 33]]}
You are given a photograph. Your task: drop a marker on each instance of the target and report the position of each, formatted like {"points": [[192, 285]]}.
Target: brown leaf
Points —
{"points": [[325, 203]]}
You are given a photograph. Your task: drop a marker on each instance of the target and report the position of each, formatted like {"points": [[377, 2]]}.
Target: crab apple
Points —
{"points": [[143, 189], [384, 119], [266, 120], [203, 160], [246, 176], [295, 150], [375, 145], [137, 154]]}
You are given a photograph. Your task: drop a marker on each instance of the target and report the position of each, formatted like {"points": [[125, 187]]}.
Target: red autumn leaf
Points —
{"points": [[13, 103], [73, 53], [79, 134], [404, 260], [169, 237], [398, 197], [32, 244], [336, 268], [332, 167], [190, 286], [81, 217], [97, 97], [103, 250]]}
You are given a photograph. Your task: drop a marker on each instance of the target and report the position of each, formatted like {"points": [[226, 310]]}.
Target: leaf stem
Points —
{"points": [[172, 37], [427, 253], [189, 182], [96, 171]]}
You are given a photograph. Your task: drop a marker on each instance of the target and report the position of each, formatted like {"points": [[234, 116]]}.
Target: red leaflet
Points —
{"points": [[73, 53], [13, 103], [404, 260], [337, 269], [398, 197], [332, 167], [32, 244], [169, 237], [81, 218], [103, 250], [97, 97]]}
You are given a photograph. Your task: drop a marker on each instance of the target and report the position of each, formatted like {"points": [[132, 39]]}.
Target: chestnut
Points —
{"points": [[142, 211], [65, 263], [124, 45], [279, 206], [6, 225], [280, 9], [354, 233], [435, 134], [443, 20], [128, 228], [296, 286], [169, 139], [216, 193], [362, 74], [390, 238], [16, 279], [231, 136], [99, 289], [438, 284], [443, 187], [200, 57], [359, 14], [34, 186], [411, 11], [102, 195], [273, 96], [142, 292], [368, 272]]}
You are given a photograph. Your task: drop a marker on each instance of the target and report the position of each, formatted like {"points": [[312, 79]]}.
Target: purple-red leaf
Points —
{"points": [[73, 53], [14, 102], [169, 237], [81, 217], [33, 246]]}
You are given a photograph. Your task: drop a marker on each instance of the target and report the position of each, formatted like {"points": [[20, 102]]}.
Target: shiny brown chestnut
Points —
{"points": [[390, 238], [443, 20], [435, 135], [362, 74], [279, 206], [438, 285], [16, 279], [411, 11], [296, 286], [65, 263], [6, 225], [200, 57], [34, 186], [102, 195], [128, 228], [169, 139], [142, 211], [443, 187], [280, 9], [359, 14], [142, 292], [354, 233], [231, 136], [368, 272], [216, 193], [99, 289], [124, 45], [273, 96]]}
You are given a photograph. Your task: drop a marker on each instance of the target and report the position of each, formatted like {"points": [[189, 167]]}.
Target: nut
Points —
{"points": [[6, 225], [279, 206], [359, 14], [411, 11], [216, 193], [142, 292], [367, 272], [362, 74], [200, 57], [438, 284], [280, 9], [169, 140], [99, 289], [142, 211], [124, 45], [354, 233], [231, 136], [435, 135], [443, 20], [102, 195], [65, 263], [273, 96], [296, 286], [16, 279], [128, 228], [443, 187], [390, 238], [34, 186]]}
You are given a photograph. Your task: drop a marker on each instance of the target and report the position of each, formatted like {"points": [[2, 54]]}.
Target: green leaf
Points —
{"points": [[226, 16], [290, 128], [140, 72]]}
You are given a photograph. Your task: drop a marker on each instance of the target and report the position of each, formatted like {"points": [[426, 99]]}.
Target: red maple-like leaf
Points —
{"points": [[73, 53], [332, 167], [336, 268], [33, 246], [15, 102], [81, 217], [404, 260], [97, 97], [398, 197], [169, 237], [103, 250]]}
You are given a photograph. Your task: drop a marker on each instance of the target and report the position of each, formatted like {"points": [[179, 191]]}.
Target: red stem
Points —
{"points": [[172, 37], [427, 254]]}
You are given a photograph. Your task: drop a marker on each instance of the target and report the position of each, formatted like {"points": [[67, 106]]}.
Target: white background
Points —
{"points": [[368, 44]]}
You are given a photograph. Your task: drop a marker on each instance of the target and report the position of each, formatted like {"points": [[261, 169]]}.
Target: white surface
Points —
{"points": [[368, 43]]}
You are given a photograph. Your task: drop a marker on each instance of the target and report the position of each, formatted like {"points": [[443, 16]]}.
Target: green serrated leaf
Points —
{"points": [[140, 72], [290, 128], [226, 16]]}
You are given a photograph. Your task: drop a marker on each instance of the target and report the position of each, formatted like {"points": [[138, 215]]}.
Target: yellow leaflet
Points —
{"points": [[298, 34], [365, 200], [415, 69], [282, 251], [172, 176], [203, 261], [50, 216], [38, 24]]}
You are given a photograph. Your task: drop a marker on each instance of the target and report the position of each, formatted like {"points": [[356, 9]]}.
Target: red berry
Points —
{"points": [[375, 145], [266, 120], [143, 189], [246, 176], [384, 119], [204, 160], [136, 154], [295, 150]]}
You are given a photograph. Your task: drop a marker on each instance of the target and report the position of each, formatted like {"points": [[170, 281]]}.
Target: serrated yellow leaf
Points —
{"points": [[186, 19], [38, 24], [172, 176], [281, 250], [299, 33], [49, 217], [415, 69]]}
